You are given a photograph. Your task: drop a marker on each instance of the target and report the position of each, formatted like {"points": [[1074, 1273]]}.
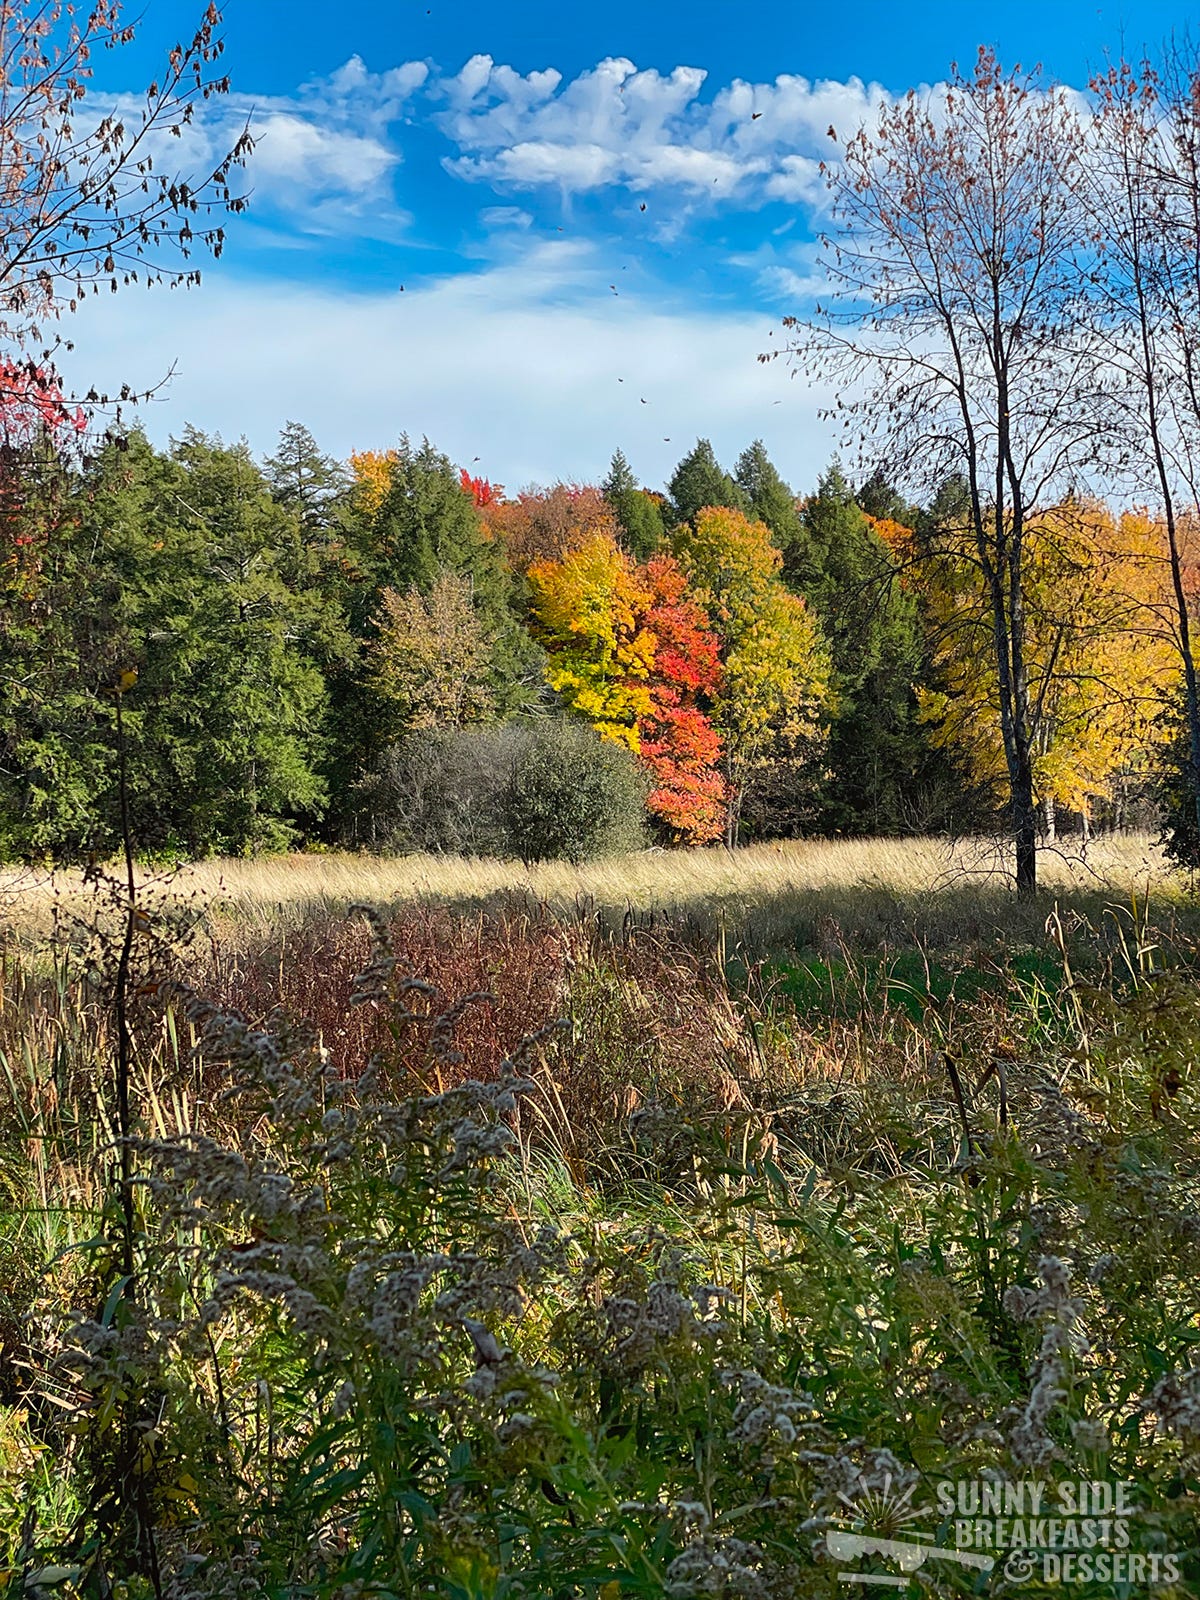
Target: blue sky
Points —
{"points": [[533, 231]]}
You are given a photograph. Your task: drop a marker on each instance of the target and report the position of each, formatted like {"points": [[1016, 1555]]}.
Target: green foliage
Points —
{"points": [[700, 481], [876, 746], [437, 791], [638, 515], [185, 568], [539, 791], [879, 498], [768, 498], [426, 525], [1176, 788], [306, 482], [570, 795]]}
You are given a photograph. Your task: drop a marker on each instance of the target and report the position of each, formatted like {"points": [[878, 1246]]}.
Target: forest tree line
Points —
{"points": [[391, 653]]}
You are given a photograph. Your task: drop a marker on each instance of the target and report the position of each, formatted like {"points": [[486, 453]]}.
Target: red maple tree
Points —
{"points": [[480, 491], [678, 744]]}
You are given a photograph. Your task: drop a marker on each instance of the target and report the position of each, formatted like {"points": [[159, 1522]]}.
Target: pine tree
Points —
{"points": [[639, 517], [879, 498], [700, 481], [769, 498], [871, 623], [426, 524], [306, 481]]}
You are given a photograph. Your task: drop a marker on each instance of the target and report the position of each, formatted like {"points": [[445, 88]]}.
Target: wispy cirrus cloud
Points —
{"points": [[531, 366]]}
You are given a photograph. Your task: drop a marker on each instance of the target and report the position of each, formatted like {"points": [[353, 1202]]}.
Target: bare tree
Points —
{"points": [[953, 329], [1142, 192], [88, 197]]}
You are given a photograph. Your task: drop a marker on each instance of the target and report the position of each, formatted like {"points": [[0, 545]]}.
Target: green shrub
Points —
{"points": [[542, 791], [571, 796]]}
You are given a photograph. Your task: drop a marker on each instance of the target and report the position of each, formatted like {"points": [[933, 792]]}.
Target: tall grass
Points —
{"points": [[424, 1311], [873, 890]]}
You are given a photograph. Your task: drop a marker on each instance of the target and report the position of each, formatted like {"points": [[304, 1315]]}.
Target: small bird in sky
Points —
{"points": [[754, 116], [643, 206], [666, 440], [645, 402], [613, 287], [620, 380]]}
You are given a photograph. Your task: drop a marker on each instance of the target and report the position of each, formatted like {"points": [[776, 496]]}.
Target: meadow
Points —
{"points": [[642, 1228]]}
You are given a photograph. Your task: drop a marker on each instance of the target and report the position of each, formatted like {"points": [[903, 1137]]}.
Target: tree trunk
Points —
{"points": [[1050, 811], [1024, 815]]}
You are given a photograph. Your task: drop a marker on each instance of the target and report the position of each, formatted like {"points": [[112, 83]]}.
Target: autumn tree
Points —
{"points": [[542, 524], [678, 742], [1142, 192], [431, 660], [1100, 668], [371, 478], [774, 661], [481, 492], [589, 614], [954, 326]]}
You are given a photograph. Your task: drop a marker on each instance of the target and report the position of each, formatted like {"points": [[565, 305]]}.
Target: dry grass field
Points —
{"points": [[867, 891], [872, 1178]]}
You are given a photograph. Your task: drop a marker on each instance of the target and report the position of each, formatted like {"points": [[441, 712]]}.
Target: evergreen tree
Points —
{"points": [[307, 482], [769, 498], [699, 481], [424, 527], [871, 623], [179, 566], [638, 515], [234, 694], [426, 524], [879, 498]]}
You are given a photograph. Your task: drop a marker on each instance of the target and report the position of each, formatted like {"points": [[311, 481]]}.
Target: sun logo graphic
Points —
{"points": [[884, 1524]]}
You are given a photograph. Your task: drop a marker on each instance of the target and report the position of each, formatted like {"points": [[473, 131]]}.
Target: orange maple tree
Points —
{"points": [[632, 652], [680, 748]]}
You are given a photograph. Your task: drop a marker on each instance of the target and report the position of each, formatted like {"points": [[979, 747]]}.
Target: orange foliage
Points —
{"points": [[481, 492], [544, 524], [679, 745]]}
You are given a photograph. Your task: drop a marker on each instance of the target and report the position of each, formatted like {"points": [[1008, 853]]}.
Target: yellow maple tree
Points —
{"points": [[588, 609], [1099, 659]]}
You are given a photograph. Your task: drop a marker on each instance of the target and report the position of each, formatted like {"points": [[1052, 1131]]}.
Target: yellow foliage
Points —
{"points": [[372, 471], [777, 670], [1098, 661], [587, 608]]}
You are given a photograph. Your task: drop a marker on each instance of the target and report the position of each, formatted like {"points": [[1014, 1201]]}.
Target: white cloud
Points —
{"points": [[505, 217], [327, 157], [324, 158], [616, 126], [293, 154], [520, 364]]}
